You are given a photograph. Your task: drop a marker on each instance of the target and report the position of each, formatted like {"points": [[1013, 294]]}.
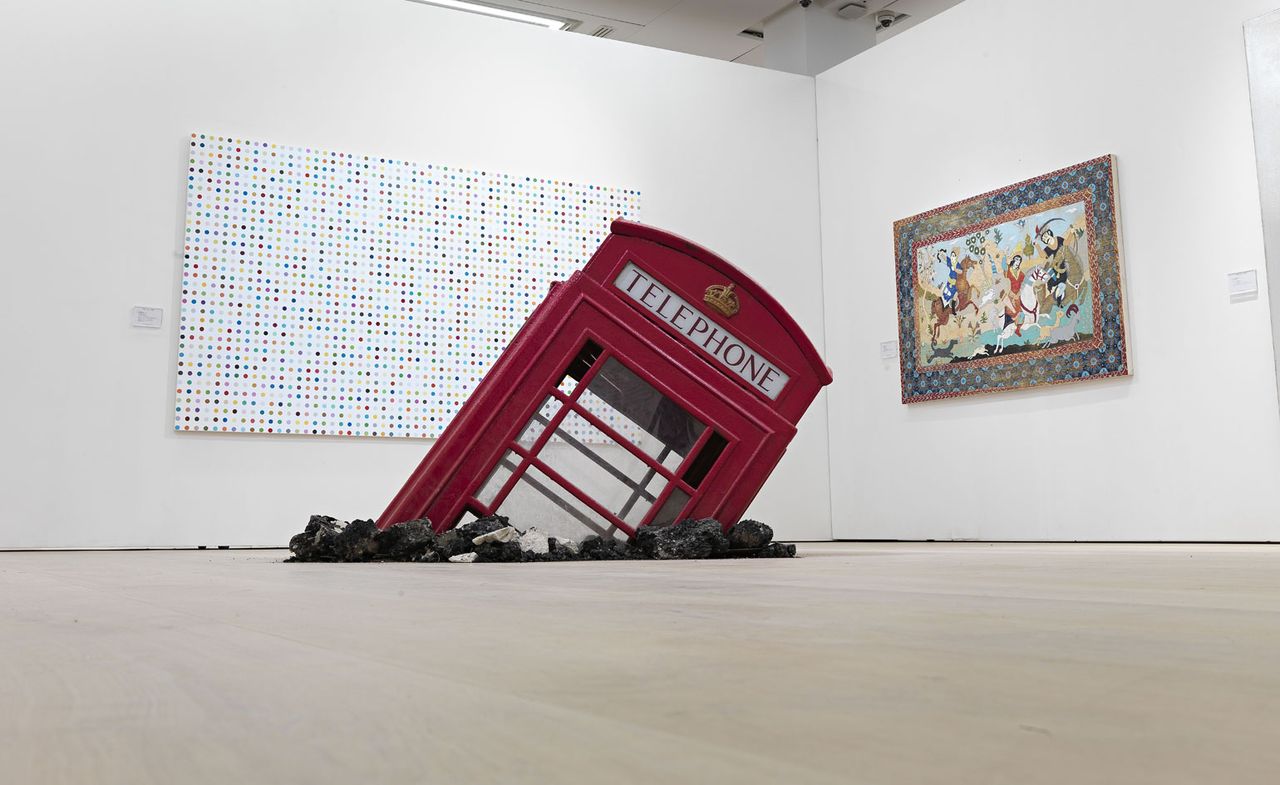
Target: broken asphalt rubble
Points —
{"points": [[494, 539]]}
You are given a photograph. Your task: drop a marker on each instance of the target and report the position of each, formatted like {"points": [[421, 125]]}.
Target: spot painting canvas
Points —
{"points": [[1018, 288], [341, 294]]}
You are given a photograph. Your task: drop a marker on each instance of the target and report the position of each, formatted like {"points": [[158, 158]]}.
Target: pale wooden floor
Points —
{"points": [[894, 664]]}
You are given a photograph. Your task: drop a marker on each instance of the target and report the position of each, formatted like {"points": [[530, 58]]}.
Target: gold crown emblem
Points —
{"points": [[722, 298]]}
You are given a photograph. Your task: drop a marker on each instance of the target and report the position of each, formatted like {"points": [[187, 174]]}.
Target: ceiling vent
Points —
{"points": [[603, 31], [750, 33], [855, 10]]}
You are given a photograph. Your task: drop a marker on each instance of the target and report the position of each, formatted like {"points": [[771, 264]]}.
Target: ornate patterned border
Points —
{"points": [[1105, 355]]}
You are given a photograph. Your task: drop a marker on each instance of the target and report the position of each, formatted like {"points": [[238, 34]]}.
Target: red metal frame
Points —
{"points": [[589, 307]]}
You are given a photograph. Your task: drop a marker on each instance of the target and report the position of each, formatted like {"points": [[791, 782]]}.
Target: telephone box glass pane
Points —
{"points": [[705, 459], [670, 508], [634, 408], [536, 500], [567, 385], [579, 366], [603, 469], [539, 422], [498, 478]]}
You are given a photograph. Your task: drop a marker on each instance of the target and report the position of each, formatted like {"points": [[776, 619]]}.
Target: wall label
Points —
{"points": [[143, 316], [723, 346], [1243, 283]]}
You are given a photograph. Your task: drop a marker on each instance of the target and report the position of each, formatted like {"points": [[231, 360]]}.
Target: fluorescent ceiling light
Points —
{"points": [[501, 13]]}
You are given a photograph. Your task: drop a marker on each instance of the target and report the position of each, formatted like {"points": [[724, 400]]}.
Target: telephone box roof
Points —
{"points": [[740, 279]]}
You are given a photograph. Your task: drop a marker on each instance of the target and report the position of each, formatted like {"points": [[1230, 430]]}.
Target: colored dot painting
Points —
{"points": [[341, 294]]}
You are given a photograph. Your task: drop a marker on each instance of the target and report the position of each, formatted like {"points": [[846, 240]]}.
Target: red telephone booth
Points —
{"points": [[657, 384]]}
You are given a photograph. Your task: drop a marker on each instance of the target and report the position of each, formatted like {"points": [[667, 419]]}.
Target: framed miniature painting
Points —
{"points": [[1017, 288]]}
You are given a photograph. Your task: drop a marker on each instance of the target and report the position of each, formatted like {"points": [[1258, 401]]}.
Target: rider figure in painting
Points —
{"points": [[1058, 275], [1015, 276], [1060, 261], [951, 288]]}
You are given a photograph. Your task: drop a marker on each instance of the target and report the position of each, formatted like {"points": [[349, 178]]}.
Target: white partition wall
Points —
{"points": [[993, 92], [1262, 39], [100, 99]]}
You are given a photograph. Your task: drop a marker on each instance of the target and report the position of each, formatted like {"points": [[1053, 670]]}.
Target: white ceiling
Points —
{"points": [[711, 28]]}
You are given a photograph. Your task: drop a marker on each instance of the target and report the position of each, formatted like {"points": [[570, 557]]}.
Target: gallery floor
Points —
{"points": [[855, 664]]}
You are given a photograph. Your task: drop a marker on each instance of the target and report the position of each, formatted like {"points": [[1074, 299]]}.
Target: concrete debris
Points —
{"points": [[534, 541], [464, 558], [505, 534]]}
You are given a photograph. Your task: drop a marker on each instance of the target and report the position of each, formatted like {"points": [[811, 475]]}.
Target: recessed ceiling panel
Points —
{"points": [[640, 12], [707, 27]]}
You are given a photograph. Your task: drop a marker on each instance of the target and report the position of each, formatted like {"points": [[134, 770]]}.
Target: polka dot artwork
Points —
{"points": [[341, 294]]}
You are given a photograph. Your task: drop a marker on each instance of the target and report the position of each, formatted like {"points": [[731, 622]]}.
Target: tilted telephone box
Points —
{"points": [[657, 384]]}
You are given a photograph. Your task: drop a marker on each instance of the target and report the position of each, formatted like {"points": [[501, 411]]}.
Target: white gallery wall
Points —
{"points": [[993, 92], [99, 101]]}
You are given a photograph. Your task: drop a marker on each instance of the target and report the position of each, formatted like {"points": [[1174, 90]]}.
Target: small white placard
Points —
{"points": [[1242, 283], [889, 350], [142, 316]]}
